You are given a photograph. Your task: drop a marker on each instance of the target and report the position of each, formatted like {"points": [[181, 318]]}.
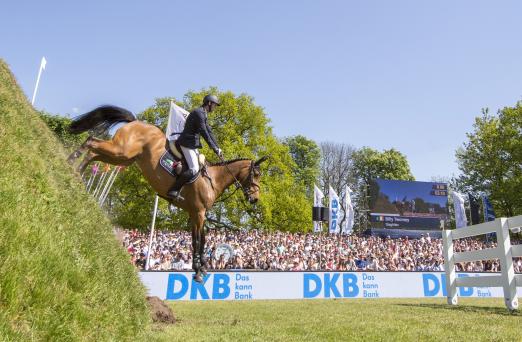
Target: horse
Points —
{"points": [[143, 143]]}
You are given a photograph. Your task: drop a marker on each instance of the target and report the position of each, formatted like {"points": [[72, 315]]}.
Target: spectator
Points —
{"points": [[305, 252]]}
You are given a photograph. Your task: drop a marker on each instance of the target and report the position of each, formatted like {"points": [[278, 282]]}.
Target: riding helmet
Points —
{"points": [[211, 98]]}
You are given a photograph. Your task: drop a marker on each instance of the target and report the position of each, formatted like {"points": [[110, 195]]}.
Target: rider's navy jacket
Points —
{"points": [[196, 126]]}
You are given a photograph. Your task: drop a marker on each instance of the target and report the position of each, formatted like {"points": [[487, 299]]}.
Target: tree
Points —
{"points": [[390, 164], [336, 170], [307, 156], [491, 159]]}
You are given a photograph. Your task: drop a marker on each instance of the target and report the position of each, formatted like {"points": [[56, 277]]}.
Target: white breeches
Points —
{"points": [[192, 157]]}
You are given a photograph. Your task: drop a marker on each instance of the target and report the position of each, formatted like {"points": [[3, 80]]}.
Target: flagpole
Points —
{"points": [[100, 182], [147, 264], [109, 180], [42, 67], [110, 186]]}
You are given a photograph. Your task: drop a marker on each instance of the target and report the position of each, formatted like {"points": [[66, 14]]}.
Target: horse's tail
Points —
{"points": [[100, 119]]}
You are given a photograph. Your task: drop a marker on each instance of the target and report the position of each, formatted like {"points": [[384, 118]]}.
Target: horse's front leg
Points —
{"points": [[203, 258], [198, 220]]}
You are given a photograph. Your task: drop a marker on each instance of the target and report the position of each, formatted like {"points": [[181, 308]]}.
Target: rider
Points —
{"points": [[189, 141]]}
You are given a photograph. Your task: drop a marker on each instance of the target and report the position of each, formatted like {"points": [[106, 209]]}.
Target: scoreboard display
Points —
{"points": [[396, 204]]}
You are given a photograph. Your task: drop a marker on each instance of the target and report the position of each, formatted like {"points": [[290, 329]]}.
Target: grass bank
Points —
{"points": [[62, 273], [343, 320]]}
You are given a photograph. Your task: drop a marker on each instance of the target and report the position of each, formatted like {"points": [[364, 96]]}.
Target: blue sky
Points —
{"points": [[411, 75]]}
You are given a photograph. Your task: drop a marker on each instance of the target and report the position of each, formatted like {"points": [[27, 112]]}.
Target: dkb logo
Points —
{"points": [[432, 285], [178, 286], [334, 211], [313, 285]]}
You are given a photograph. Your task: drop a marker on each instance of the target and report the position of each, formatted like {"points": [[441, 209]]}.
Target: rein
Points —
{"points": [[238, 184]]}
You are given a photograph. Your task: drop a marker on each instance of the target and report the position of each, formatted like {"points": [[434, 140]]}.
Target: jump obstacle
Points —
{"points": [[504, 251]]}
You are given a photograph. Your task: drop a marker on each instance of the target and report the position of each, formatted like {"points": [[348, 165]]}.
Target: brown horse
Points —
{"points": [[144, 144]]}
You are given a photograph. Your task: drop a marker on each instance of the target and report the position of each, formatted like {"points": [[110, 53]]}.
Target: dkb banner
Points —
{"points": [[304, 285]]}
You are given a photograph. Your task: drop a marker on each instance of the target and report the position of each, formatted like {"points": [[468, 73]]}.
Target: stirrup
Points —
{"points": [[175, 195]]}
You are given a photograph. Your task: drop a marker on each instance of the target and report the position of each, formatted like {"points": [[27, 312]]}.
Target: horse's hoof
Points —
{"points": [[203, 271], [197, 278], [72, 157]]}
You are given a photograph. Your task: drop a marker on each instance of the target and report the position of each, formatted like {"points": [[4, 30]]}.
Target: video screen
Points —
{"points": [[396, 204]]}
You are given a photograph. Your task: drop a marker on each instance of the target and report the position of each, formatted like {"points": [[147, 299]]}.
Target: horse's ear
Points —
{"points": [[262, 159]]}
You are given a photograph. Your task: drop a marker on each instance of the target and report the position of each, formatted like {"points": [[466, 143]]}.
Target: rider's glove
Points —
{"points": [[219, 152]]}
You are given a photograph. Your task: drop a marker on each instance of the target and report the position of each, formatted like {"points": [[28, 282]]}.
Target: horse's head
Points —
{"points": [[251, 186]]}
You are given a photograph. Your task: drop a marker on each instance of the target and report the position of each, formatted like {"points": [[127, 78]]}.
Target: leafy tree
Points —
{"points": [[491, 159], [390, 164], [307, 156]]}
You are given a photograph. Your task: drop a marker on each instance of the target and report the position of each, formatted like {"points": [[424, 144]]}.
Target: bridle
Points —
{"points": [[247, 190]]}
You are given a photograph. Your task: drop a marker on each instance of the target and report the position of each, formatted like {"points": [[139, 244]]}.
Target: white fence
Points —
{"points": [[504, 251]]}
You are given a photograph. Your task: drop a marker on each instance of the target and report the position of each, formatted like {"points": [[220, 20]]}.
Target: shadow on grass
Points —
{"points": [[502, 311]]}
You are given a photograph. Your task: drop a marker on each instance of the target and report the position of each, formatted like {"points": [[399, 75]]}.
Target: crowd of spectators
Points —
{"points": [[281, 251]]}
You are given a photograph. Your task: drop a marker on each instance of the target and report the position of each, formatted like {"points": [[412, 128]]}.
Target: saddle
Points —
{"points": [[173, 161]]}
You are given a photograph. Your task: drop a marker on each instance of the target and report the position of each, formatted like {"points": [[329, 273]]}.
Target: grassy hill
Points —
{"points": [[62, 273]]}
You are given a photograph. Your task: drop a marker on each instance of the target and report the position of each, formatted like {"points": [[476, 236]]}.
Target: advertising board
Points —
{"points": [[306, 285]]}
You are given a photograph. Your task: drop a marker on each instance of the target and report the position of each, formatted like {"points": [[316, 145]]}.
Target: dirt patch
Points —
{"points": [[160, 312]]}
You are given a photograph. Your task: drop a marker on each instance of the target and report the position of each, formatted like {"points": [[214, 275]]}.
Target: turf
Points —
{"points": [[343, 320], [63, 275]]}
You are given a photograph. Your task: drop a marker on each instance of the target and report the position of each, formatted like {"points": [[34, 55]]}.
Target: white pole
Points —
{"points": [[100, 182], [109, 180], [110, 186], [92, 182], [42, 67], [147, 264], [95, 173]]}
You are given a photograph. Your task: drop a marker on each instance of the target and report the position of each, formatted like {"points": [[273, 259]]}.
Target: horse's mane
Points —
{"points": [[226, 162]]}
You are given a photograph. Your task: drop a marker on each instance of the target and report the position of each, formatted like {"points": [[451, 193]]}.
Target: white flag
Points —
{"points": [[460, 211], [176, 123], [350, 214], [43, 63], [333, 212], [318, 202]]}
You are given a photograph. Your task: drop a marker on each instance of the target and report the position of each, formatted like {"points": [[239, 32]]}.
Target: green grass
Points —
{"points": [[343, 320], [63, 275]]}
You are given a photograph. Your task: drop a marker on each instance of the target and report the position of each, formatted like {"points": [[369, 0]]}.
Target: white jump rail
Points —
{"points": [[504, 251]]}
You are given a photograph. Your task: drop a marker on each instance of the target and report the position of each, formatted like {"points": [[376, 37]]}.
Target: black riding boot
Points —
{"points": [[184, 177]]}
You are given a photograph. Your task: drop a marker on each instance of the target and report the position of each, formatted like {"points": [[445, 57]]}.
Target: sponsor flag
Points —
{"points": [[460, 211], [333, 212], [176, 123], [489, 213], [318, 203], [349, 215]]}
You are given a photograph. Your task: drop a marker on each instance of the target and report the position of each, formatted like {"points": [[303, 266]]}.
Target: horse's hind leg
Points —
{"points": [[76, 154], [92, 157]]}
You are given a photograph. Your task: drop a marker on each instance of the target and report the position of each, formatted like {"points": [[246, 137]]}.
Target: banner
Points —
{"points": [[333, 212], [176, 123], [350, 214], [460, 210], [489, 213], [308, 285], [318, 203]]}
